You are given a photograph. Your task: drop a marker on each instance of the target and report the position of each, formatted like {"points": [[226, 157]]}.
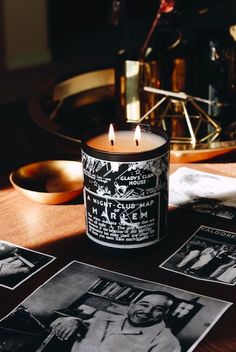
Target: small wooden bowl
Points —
{"points": [[49, 182]]}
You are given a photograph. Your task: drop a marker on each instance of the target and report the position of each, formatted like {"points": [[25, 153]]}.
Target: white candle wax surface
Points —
{"points": [[125, 143]]}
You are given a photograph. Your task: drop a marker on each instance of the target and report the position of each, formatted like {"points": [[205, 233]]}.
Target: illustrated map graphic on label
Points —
{"points": [[124, 200]]}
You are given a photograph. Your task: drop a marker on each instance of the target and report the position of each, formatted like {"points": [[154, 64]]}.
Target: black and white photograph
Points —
{"points": [[85, 308], [203, 192], [17, 264], [210, 254]]}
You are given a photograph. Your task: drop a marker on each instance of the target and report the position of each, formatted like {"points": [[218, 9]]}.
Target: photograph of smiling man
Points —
{"points": [[85, 308]]}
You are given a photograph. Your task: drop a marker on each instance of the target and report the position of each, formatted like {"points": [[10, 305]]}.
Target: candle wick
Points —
{"points": [[112, 142], [136, 141]]}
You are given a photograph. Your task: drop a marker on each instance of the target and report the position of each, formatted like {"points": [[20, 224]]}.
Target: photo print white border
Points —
{"points": [[209, 256], [203, 192], [73, 276], [12, 282]]}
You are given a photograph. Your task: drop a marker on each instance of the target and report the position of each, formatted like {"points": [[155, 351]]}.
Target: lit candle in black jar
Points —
{"points": [[126, 186]]}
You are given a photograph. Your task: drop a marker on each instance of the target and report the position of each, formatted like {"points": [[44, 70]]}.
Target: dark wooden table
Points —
{"points": [[59, 230]]}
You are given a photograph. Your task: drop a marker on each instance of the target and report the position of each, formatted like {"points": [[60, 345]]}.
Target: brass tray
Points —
{"points": [[74, 106]]}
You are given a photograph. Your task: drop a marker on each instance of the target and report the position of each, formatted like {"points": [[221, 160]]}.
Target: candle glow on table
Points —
{"points": [[125, 186], [124, 141]]}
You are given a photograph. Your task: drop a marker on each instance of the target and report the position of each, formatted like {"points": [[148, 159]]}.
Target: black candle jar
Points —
{"points": [[126, 193]]}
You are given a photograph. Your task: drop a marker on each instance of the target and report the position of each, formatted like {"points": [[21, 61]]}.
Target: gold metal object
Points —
{"points": [[49, 182], [193, 122], [131, 77], [99, 86], [83, 82]]}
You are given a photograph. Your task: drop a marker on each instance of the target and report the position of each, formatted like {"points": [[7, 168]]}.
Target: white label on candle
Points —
{"points": [[126, 202], [125, 143]]}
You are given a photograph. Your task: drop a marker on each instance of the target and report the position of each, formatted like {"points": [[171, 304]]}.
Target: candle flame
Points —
{"points": [[111, 134], [137, 135]]}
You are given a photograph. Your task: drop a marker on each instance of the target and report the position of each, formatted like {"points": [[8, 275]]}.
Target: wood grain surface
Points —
{"points": [[31, 224], [59, 230]]}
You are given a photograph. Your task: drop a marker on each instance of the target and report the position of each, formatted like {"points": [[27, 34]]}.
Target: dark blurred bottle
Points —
{"points": [[230, 130], [217, 72]]}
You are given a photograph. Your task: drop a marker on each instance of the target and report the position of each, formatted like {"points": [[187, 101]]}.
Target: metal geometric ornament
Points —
{"points": [[180, 112]]}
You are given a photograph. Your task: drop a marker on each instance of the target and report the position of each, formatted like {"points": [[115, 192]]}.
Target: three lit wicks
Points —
{"points": [[137, 135]]}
